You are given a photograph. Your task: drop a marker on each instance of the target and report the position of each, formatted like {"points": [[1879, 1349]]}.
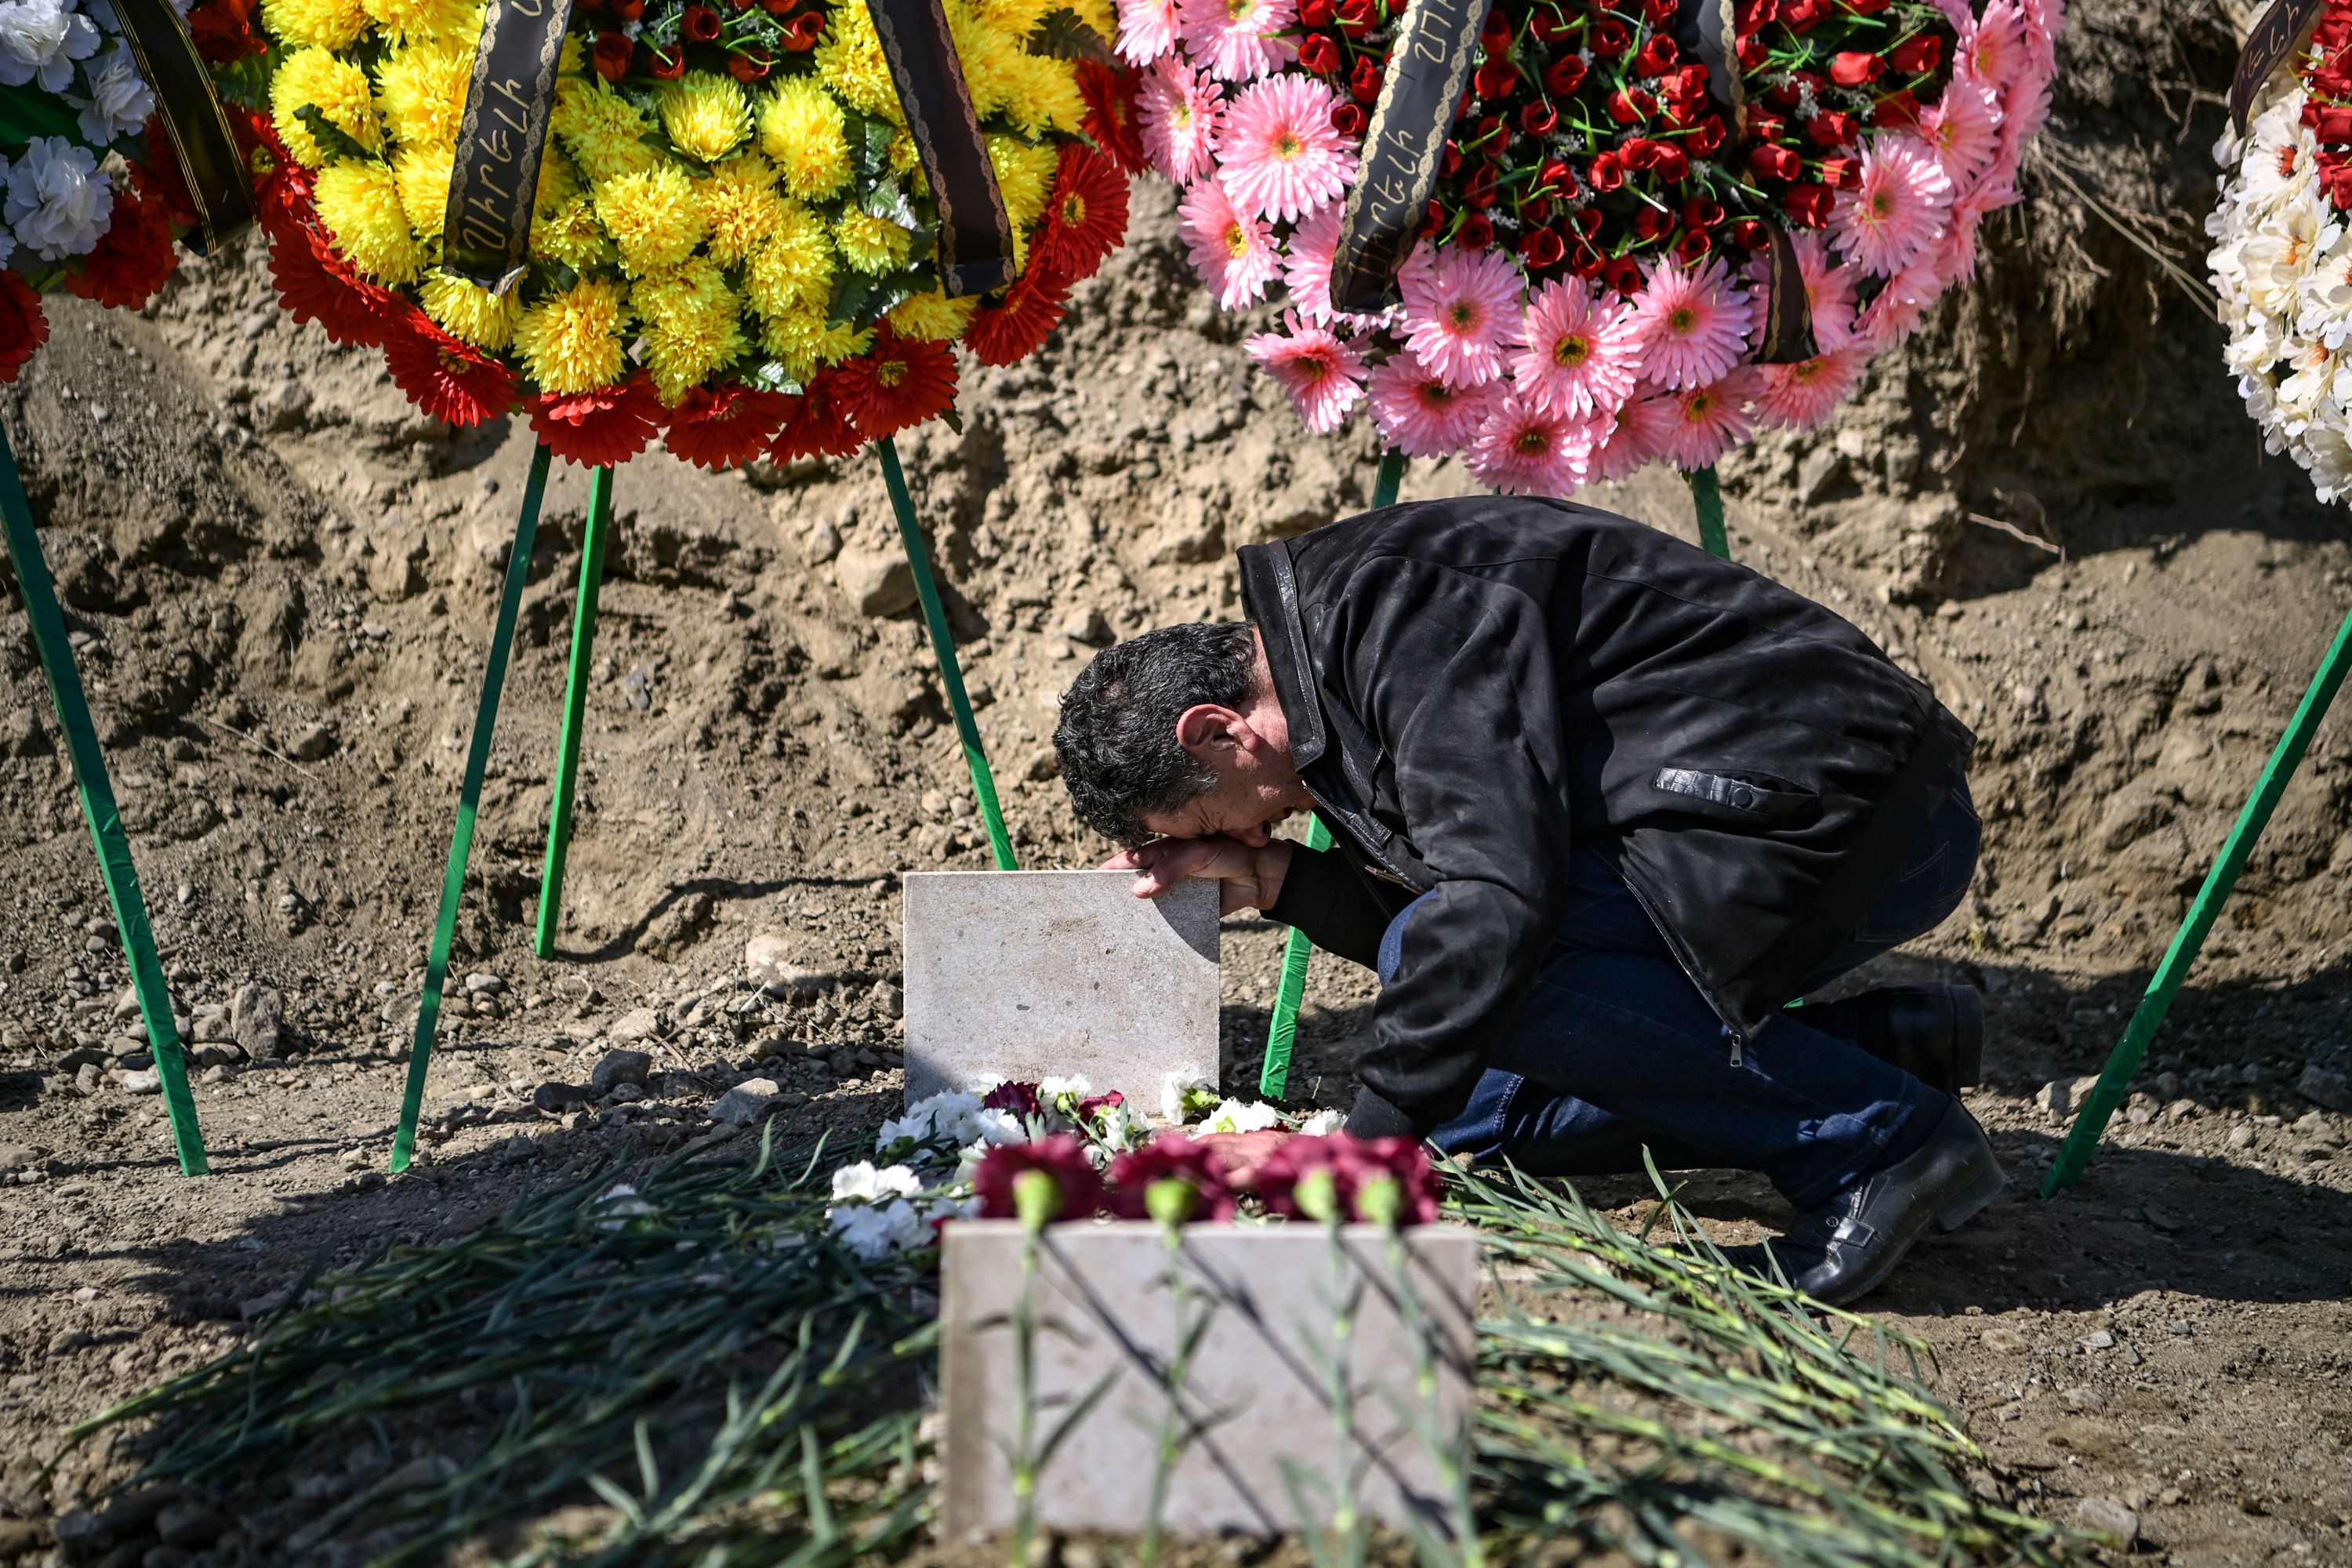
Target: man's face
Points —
{"points": [[1255, 785]]}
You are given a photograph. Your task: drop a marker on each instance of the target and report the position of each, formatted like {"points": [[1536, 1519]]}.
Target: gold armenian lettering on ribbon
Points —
{"points": [[494, 179], [2279, 34], [975, 244], [1436, 47]]}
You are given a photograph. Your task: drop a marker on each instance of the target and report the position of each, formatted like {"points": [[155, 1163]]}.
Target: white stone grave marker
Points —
{"points": [[1261, 1380], [1022, 975]]}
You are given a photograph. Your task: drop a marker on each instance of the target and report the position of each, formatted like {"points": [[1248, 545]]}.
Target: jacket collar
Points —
{"points": [[1270, 600]]}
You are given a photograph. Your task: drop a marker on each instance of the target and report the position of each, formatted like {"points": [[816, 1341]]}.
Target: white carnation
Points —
{"points": [[119, 100], [1177, 1089], [57, 201], [1240, 1116], [1323, 1123], [40, 42], [862, 1182]]}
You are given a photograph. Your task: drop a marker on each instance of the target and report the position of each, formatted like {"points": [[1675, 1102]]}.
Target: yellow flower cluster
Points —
{"points": [[691, 227]]}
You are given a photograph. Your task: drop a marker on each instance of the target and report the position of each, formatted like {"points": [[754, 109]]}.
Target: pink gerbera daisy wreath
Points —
{"points": [[1711, 420], [1800, 397], [1581, 356], [1524, 450], [1691, 326], [1633, 439], [1279, 155], [1422, 416], [1324, 377], [1902, 210], [1233, 255], [1179, 112], [1462, 313], [1147, 29], [1239, 41]]}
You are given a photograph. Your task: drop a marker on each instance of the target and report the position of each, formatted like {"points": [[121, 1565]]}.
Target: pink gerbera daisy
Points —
{"points": [[1993, 44], [1690, 327], [1963, 128], [1147, 29], [1279, 154], [1238, 41], [1956, 260], [1233, 255], [1422, 416], [2042, 20], [1461, 312], [1179, 113], [1710, 420], [1633, 439], [1582, 354], [1324, 377], [1903, 207], [1828, 291], [1800, 397], [1523, 450], [1900, 307], [2025, 106]]}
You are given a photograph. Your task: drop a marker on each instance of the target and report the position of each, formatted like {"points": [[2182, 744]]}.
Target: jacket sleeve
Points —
{"points": [[1340, 910], [1451, 674]]}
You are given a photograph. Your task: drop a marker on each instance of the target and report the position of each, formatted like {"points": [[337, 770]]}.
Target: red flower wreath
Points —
{"points": [[721, 428], [601, 429]]}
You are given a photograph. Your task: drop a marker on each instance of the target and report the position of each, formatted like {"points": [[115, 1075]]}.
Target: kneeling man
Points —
{"points": [[1602, 808]]}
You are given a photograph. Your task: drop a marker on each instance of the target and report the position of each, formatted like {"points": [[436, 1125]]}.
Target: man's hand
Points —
{"points": [[1251, 877], [1239, 1154]]}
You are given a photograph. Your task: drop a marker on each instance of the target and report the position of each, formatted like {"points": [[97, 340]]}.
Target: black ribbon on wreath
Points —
{"points": [[1429, 66], [193, 120], [494, 177], [2278, 34], [975, 245]]}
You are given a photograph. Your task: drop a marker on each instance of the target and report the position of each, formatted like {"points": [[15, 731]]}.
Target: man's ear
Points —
{"points": [[1207, 728]]}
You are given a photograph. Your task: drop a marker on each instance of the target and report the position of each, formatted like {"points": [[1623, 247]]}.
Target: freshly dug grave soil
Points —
{"points": [[281, 582]]}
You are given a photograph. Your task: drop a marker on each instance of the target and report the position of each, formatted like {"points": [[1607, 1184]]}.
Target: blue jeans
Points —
{"points": [[1616, 1049]]}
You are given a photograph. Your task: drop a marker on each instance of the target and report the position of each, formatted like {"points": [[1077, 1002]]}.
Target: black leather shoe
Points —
{"points": [[1846, 1248], [1934, 1033]]}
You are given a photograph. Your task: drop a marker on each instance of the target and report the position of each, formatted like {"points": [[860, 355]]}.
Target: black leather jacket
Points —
{"points": [[1474, 685]]}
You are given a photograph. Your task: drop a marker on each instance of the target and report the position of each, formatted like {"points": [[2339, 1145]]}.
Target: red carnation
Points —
{"points": [[1564, 75], [1172, 1179], [1541, 248], [1318, 14], [1556, 179], [1004, 334], [1537, 118], [1495, 78], [1693, 247], [1657, 57], [1623, 274], [1917, 55], [1842, 173], [598, 429], [132, 260], [1021, 1098], [1357, 18], [819, 426], [1607, 171], [898, 383], [1611, 37], [2328, 122], [1348, 119], [223, 30], [1549, 26], [1700, 213], [1364, 83], [804, 32], [1483, 187], [1086, 216], [1477, 232], [1038, 1183], [453, 381], [725, 427], [1629, 105], [1494, 33], [1750, 234], [159, 180], [1830, 128], [1856, 67], [1385, 1181], [668, 64], [701, 23], [23, 328], [1109, 96], [1707, 137], [1318, 54], [1649, 223], [1808, 204], [612, 54]]}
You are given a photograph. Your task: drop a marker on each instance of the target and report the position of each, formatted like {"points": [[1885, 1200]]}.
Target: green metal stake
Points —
{"points": [[575, 705], [918, 557], [98, 810], [1282, 1030], [2115, 1081], [470, 800], [1708, 495]]}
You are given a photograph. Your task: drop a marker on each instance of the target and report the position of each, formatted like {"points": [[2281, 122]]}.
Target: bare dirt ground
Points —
{"points": [[282, 583]]}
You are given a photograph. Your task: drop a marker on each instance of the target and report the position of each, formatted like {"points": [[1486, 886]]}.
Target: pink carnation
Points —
{"points": [[1800, 397], [1461, 311], [1279, 155], [1524, 450], [1233, 255], [1902, 210], [1708, 420], [1419, 415], [1632, 439], [1238, 41], [1324, 377], [1691, 326], [1179, 111], [1147, 29], [1581, 356]]}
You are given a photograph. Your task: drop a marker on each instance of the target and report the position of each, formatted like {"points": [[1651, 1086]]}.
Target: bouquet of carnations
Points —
{"points": [[732, 236], [1586, 289], [2282, 257], [89, 198]]}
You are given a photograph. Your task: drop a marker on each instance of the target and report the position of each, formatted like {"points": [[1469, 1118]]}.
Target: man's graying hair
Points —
{"points": [[1116, 740]]}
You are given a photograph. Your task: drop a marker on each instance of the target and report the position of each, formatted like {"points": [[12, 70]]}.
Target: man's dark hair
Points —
{"points": [[1116, 740]]}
